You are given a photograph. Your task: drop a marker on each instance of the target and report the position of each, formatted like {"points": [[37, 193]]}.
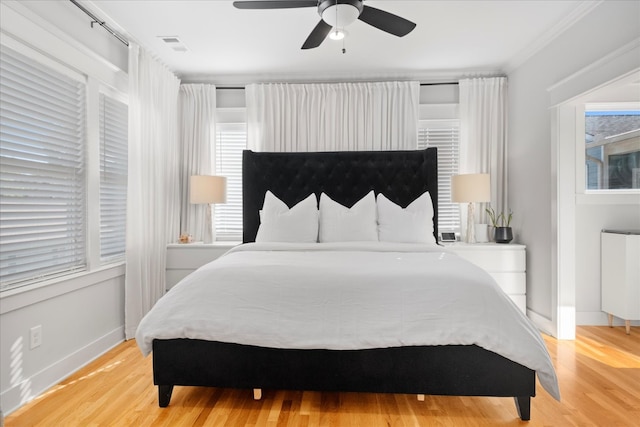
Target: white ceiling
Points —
{"points": [[228, 46]]}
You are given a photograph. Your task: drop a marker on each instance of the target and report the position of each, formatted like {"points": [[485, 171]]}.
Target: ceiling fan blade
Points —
{"points": [[385, 21], [317, 36], [275, 4]]}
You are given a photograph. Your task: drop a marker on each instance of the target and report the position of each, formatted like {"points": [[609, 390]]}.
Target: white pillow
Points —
{"points": [[278, 223], [413, 224], [341, 224]]}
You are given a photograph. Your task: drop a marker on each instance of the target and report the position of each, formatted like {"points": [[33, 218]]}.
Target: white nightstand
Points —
{"points": [[505, 262], [620, 275], [183, 258]]}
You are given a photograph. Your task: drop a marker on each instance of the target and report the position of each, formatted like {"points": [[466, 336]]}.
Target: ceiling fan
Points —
{"points": [[336, 14]]}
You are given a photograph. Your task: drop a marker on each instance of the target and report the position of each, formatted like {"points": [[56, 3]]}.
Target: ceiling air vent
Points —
{"points": [[174, 43]]}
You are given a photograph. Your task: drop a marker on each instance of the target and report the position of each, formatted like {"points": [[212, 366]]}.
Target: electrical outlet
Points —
{"points": [[35, 337]]}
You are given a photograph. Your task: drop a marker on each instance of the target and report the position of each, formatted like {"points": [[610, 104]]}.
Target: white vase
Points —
{"points": [[482, 233]]}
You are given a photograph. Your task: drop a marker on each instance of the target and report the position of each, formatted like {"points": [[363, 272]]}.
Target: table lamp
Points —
{"points": [[471, 188], [207, 189]]}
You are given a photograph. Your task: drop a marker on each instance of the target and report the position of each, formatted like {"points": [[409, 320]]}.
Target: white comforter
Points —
{"points": [[347, 296]]}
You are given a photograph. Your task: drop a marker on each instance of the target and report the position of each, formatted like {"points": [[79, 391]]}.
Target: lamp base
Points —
{"points": [[470, 237], [208, 229]]}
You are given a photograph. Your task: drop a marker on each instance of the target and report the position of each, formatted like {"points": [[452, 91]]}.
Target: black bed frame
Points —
{"points": [[460, 370]]}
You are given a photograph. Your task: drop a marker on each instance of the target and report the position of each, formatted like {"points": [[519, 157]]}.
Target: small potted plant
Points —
{"points": [[501, 225]]}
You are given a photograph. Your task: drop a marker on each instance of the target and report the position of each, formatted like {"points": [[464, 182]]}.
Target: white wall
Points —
{"points": [[534, 147], [590, 219], [80, 319], [81, 316], [72, 26]]}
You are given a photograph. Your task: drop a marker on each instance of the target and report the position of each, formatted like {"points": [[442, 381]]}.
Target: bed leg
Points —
{"points": [[164, 395], [257, 393], [421, 397], [523, 405]]}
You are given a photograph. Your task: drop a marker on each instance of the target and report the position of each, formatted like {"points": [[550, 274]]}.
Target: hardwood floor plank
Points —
{"points": [[598, 373]]}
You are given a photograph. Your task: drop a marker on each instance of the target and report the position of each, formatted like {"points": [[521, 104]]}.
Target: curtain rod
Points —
{"points": [[421, 84], [103, 24], [439, 84]]}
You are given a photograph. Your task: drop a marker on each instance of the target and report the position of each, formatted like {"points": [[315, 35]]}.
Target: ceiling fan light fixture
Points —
{"points": [[337, 34], [340, 15]]}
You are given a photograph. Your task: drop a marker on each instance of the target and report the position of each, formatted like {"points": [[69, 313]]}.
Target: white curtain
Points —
{"points": [[197, 107], [332, 117], [153, 202], [483, 138]]}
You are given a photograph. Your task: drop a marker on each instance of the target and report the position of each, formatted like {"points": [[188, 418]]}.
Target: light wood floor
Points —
{"points": [[599, 377]]}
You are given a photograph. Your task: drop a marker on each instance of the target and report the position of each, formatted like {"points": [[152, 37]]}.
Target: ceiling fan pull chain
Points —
{"points": [[336, 27], [337, 30]]}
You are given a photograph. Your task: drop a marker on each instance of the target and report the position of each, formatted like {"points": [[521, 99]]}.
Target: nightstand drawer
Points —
{"points": [[521, 302], [192, 258], [183, 259], [496, 260], [506, 263], [511, 283], [172, 277]]}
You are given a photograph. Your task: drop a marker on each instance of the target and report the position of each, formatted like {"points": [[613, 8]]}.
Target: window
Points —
{"points": [[231, 140], [42, 171], [443, 134], [612, 148], [113, 177]]}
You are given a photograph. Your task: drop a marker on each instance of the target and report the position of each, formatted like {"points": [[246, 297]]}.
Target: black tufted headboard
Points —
{"points": [[345, 176]]}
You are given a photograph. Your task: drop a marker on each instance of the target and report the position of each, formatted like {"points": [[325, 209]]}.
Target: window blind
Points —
{"points": [[113, 177], [444, 136], [42, 171], [231, 139]]}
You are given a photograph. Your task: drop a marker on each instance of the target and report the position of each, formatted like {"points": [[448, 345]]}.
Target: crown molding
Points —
{"points": [[554, 32]]}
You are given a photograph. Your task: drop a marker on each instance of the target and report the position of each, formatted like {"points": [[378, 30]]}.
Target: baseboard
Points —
{"points": [[545, 325], [583, 318], [12, 398], [599, 318]]}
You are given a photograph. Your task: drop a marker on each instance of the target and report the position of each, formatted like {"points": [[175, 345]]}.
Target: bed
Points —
{"points": [[464, 365]]}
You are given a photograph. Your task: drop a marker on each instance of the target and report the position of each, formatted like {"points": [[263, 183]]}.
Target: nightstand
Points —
{"points": [[506, 263], [184, 258], [620, 275]]}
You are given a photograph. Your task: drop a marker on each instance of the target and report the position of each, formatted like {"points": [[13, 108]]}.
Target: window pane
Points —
{"points": [[113, 177], [231, 140], [446, 140], [42, 171], [612, 149]]}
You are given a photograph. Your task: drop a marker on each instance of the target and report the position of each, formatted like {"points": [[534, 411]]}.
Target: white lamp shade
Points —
{"points": [[207, 189], [474, 187]]}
